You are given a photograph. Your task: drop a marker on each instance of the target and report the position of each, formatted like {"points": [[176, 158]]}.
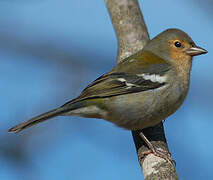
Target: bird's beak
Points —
{"points": [[195, 51]]}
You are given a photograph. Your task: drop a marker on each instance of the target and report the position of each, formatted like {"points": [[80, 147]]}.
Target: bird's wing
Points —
{"points": [[115, 84], [128, 78]]}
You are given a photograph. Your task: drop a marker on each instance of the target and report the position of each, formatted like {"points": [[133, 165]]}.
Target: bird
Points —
{"points": [[140, 91]]}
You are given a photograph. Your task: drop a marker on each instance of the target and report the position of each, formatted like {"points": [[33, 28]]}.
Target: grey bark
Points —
{"points": [[132, 35]]}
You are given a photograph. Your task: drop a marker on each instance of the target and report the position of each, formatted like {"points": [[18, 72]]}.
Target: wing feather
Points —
{"points": [[126, 77], [115, 84]]}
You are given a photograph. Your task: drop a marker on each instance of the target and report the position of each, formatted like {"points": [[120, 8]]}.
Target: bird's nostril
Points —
{"points": [[192, 44]]}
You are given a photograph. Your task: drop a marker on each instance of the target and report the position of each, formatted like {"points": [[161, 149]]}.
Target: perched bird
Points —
{"points": [[139, 92]]}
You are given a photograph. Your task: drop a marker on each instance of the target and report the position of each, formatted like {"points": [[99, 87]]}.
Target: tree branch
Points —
{"points": [[129, 26], [132, 35]]}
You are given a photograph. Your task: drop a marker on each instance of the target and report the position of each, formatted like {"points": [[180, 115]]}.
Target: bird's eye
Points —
{"points": [[177, 44]]}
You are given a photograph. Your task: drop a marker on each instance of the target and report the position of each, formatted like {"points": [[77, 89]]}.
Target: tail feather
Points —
{"points": [[38, 119]]}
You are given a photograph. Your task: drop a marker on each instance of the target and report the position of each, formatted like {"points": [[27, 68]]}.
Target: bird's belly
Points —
{"points": [[143, 109]]}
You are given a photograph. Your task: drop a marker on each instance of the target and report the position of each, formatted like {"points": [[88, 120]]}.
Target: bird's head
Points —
{"points": [[174, 46]]}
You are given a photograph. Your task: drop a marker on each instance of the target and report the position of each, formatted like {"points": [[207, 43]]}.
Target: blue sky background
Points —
{"points": [[50, 50]]}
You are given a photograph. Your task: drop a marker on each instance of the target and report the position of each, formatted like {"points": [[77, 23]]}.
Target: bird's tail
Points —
{"points": [[42, 117]]}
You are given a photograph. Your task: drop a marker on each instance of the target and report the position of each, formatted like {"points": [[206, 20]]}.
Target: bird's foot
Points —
{"points": [[159, 153]]}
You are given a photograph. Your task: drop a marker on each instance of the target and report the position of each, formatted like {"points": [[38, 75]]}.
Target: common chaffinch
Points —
{"points": [[139, 92]]}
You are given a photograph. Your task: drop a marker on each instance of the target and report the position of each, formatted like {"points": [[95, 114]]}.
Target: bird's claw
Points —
{"points": [[159, 153]]}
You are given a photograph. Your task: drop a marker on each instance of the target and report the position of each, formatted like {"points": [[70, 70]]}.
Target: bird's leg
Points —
{"points": [[157, 152]]}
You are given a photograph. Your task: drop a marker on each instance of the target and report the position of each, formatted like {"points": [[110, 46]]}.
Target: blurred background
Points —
{"points": [[50, 50]]}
